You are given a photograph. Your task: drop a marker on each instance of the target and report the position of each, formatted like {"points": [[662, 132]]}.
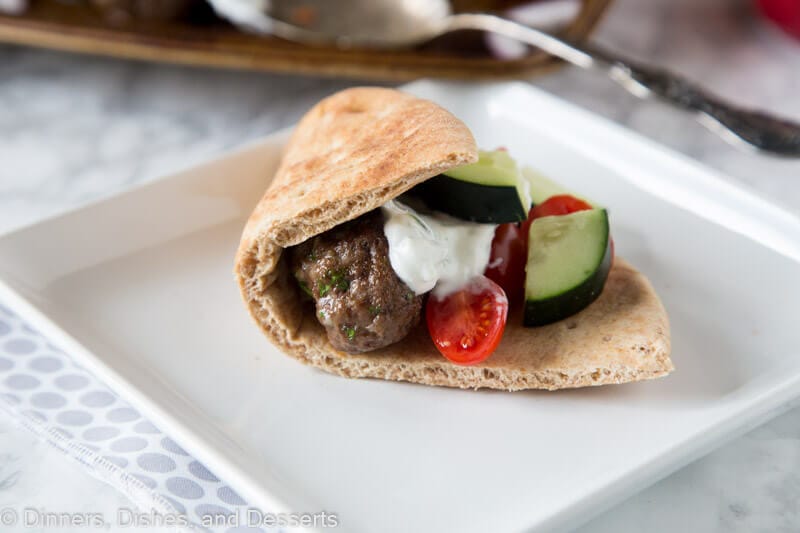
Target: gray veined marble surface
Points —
{"points": [[74, 129], [34, 476]]}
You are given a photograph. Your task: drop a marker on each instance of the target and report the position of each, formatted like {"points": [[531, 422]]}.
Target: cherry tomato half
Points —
{"points": [[466, 326], [510, 244], [507, 262], [561, 204]]}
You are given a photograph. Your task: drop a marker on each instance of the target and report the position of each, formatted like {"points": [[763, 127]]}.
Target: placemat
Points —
{"points": [[50, 394]]}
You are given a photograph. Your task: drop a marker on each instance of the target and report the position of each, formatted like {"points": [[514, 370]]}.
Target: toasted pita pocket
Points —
{"points": [[362, 147]]}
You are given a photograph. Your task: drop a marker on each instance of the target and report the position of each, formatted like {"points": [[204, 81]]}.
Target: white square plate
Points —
{"points": [[140, 288]]}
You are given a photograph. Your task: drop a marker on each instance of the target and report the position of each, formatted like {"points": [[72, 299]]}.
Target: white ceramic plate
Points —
{"points": [[140, 289]]}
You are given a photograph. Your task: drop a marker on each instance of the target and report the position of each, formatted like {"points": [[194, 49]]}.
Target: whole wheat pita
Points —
{"points": [[353, 152]]}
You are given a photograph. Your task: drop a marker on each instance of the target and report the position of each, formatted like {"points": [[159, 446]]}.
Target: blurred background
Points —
{"points": [[80, 126], [97, 96]]}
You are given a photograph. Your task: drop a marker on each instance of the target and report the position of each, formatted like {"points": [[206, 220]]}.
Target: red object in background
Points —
{"points": [[784, 13]]}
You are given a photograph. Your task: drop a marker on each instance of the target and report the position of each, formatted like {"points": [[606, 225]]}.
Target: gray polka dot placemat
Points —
{"points": [[43, 388]]}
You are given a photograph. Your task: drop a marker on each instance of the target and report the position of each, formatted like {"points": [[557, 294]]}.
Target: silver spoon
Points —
{"points": [[403, 23]]}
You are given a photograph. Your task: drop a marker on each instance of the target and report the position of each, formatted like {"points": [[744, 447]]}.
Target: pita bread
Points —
{"points": [[353, 152]]}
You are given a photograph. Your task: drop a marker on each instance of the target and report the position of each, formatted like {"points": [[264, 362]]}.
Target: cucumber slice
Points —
{"points": [[569, 258], [491, 191], [541, 187]]}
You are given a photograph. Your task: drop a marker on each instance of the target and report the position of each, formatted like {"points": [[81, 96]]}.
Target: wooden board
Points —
{"points": [[204, 40]]}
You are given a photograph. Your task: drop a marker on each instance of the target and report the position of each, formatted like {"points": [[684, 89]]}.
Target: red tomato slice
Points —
{"points": [[510, 244], [507, 262], [466, 326], [561, 204]]}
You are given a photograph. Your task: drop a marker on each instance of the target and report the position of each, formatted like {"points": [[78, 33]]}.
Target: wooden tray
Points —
{"points": [[202, 39]]}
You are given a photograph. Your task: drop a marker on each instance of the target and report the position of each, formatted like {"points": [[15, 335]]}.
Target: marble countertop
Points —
{"points": [[78, 128]]}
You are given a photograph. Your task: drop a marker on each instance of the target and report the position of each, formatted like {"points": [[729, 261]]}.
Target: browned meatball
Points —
{"points": [[359, 298]]}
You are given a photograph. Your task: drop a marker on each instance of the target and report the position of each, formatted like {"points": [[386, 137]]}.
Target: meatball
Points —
{"points": [[359, 299]]}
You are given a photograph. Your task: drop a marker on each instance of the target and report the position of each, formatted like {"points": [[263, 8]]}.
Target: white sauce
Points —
{"points": [[435, 251]]}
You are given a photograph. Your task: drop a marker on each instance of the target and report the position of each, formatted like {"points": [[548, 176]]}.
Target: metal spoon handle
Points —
{"points": [[733, 123], [757, 129]]}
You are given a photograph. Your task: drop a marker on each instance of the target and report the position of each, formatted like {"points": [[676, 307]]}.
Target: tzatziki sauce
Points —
{"points": [[435, 251]]}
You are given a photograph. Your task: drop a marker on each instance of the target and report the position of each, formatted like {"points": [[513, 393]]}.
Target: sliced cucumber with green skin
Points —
{"points": [[569, 258], [491, 191], [541, 187]]}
